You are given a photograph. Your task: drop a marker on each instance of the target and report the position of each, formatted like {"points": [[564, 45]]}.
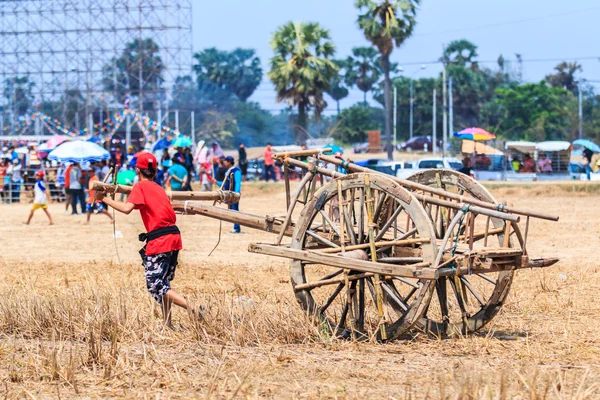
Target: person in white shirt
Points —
{"points": [[41, 198]]}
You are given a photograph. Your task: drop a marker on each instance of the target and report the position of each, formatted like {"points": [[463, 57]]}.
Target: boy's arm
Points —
{"points": [[125, 208]]}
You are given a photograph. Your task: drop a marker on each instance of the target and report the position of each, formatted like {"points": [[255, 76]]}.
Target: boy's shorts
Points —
{"points": [[37, 206], [159, 270], [94, 206]]}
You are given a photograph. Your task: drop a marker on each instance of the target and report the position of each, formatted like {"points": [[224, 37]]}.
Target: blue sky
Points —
{"points": [[542, 31]]}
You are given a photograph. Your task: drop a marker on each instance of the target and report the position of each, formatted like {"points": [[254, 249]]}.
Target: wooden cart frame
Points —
{"points": [[377, 257]]}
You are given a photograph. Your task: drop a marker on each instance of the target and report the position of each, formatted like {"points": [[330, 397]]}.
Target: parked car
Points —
{"points": [[419, 143], [361, 148], [394, 168], [255, 169], [370, 162], [429, 163]]}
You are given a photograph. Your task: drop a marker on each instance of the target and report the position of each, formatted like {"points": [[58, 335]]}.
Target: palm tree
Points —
{"points": [[363, 69], [338, 89], [301, 68], [387, 23]]}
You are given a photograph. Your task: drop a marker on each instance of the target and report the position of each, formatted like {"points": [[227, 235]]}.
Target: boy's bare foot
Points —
{"points": [[51, 223], [85, 223], [25, 223]]}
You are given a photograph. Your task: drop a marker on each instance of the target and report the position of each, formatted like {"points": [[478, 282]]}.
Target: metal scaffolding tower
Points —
{"points": [[68, 54]]}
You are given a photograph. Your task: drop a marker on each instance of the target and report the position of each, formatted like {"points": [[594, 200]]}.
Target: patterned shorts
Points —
{"points": [[159, 270], [94, 206]]}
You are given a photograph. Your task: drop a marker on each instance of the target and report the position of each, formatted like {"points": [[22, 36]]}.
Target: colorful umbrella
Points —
{"points": [[126, 177], [182, 141], [334, 149], [588, 144], [54, 141], [161, 145], [79, 151], [476, 134]]}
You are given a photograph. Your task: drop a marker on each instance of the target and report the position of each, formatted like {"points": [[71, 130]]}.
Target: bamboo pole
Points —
{"points": [[236, 217], [300, 153], [219, 195], [376, 278], [349, 166], [488, 210]]}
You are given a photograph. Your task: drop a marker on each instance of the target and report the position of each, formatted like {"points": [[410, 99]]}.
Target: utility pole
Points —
{"points": [[128, 130], [177, 120], [434, 136], [580, 110], [395, 115], [445, 113], [193, 135], [92, 124], [411, 109], [159, 128], [451, 101]]}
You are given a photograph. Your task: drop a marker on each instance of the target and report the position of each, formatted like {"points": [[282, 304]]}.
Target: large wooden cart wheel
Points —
{"points": [[467, 303], [348, 303]]}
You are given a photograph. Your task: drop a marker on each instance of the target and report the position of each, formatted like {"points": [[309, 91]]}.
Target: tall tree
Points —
{"points": [[138, 71], [534, 111], [565, 76], [364, 69], [237, 71], [338, 89], [387, 23], [301, 68], [18, 93], [356, 121], [461, 53]]}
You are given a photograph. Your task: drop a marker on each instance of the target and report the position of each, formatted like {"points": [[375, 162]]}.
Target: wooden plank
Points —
{"points": [[420, 270]]}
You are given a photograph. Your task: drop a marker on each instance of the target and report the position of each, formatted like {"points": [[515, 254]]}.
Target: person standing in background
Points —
{"points": [[206, 179], [233, 182], [67, 179], [215, 153], [177, 175], [269, 163], [243, 160], [220, 173], [76, 186], [588, 154], [16, 180]]}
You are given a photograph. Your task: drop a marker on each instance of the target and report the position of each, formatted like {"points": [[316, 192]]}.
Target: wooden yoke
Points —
{"points": [[219, 195]]}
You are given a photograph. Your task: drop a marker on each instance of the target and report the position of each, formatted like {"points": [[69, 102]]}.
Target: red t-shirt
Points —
{"points": [[156, 212]]}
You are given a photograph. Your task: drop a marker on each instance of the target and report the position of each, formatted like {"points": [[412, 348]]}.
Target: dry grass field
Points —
{"points": [[76, 321]]}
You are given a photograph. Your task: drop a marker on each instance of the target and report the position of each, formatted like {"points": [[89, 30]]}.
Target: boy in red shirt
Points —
{"points": [[163, 240]]}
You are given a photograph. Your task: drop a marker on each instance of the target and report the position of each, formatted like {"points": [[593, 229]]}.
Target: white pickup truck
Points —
{"points": [[429, 163], [404, 169]]}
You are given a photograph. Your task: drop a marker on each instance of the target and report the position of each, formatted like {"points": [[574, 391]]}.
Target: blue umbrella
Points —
{"points": [[588, 144], [334, 149], [182, 141], [161, 145], [79, 151]]}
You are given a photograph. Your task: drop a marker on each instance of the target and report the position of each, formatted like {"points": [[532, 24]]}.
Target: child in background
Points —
{"points": [[92, 203], [206, 179], [41, 198]]}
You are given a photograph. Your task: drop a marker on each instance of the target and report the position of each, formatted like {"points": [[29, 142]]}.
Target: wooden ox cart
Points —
{"points": [[376, 256]]}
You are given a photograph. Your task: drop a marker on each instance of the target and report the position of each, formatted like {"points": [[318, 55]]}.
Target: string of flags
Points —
{"points": [[108, 126]]}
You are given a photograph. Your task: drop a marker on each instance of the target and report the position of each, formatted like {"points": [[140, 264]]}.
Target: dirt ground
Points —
{"points": [[76, 321]]}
